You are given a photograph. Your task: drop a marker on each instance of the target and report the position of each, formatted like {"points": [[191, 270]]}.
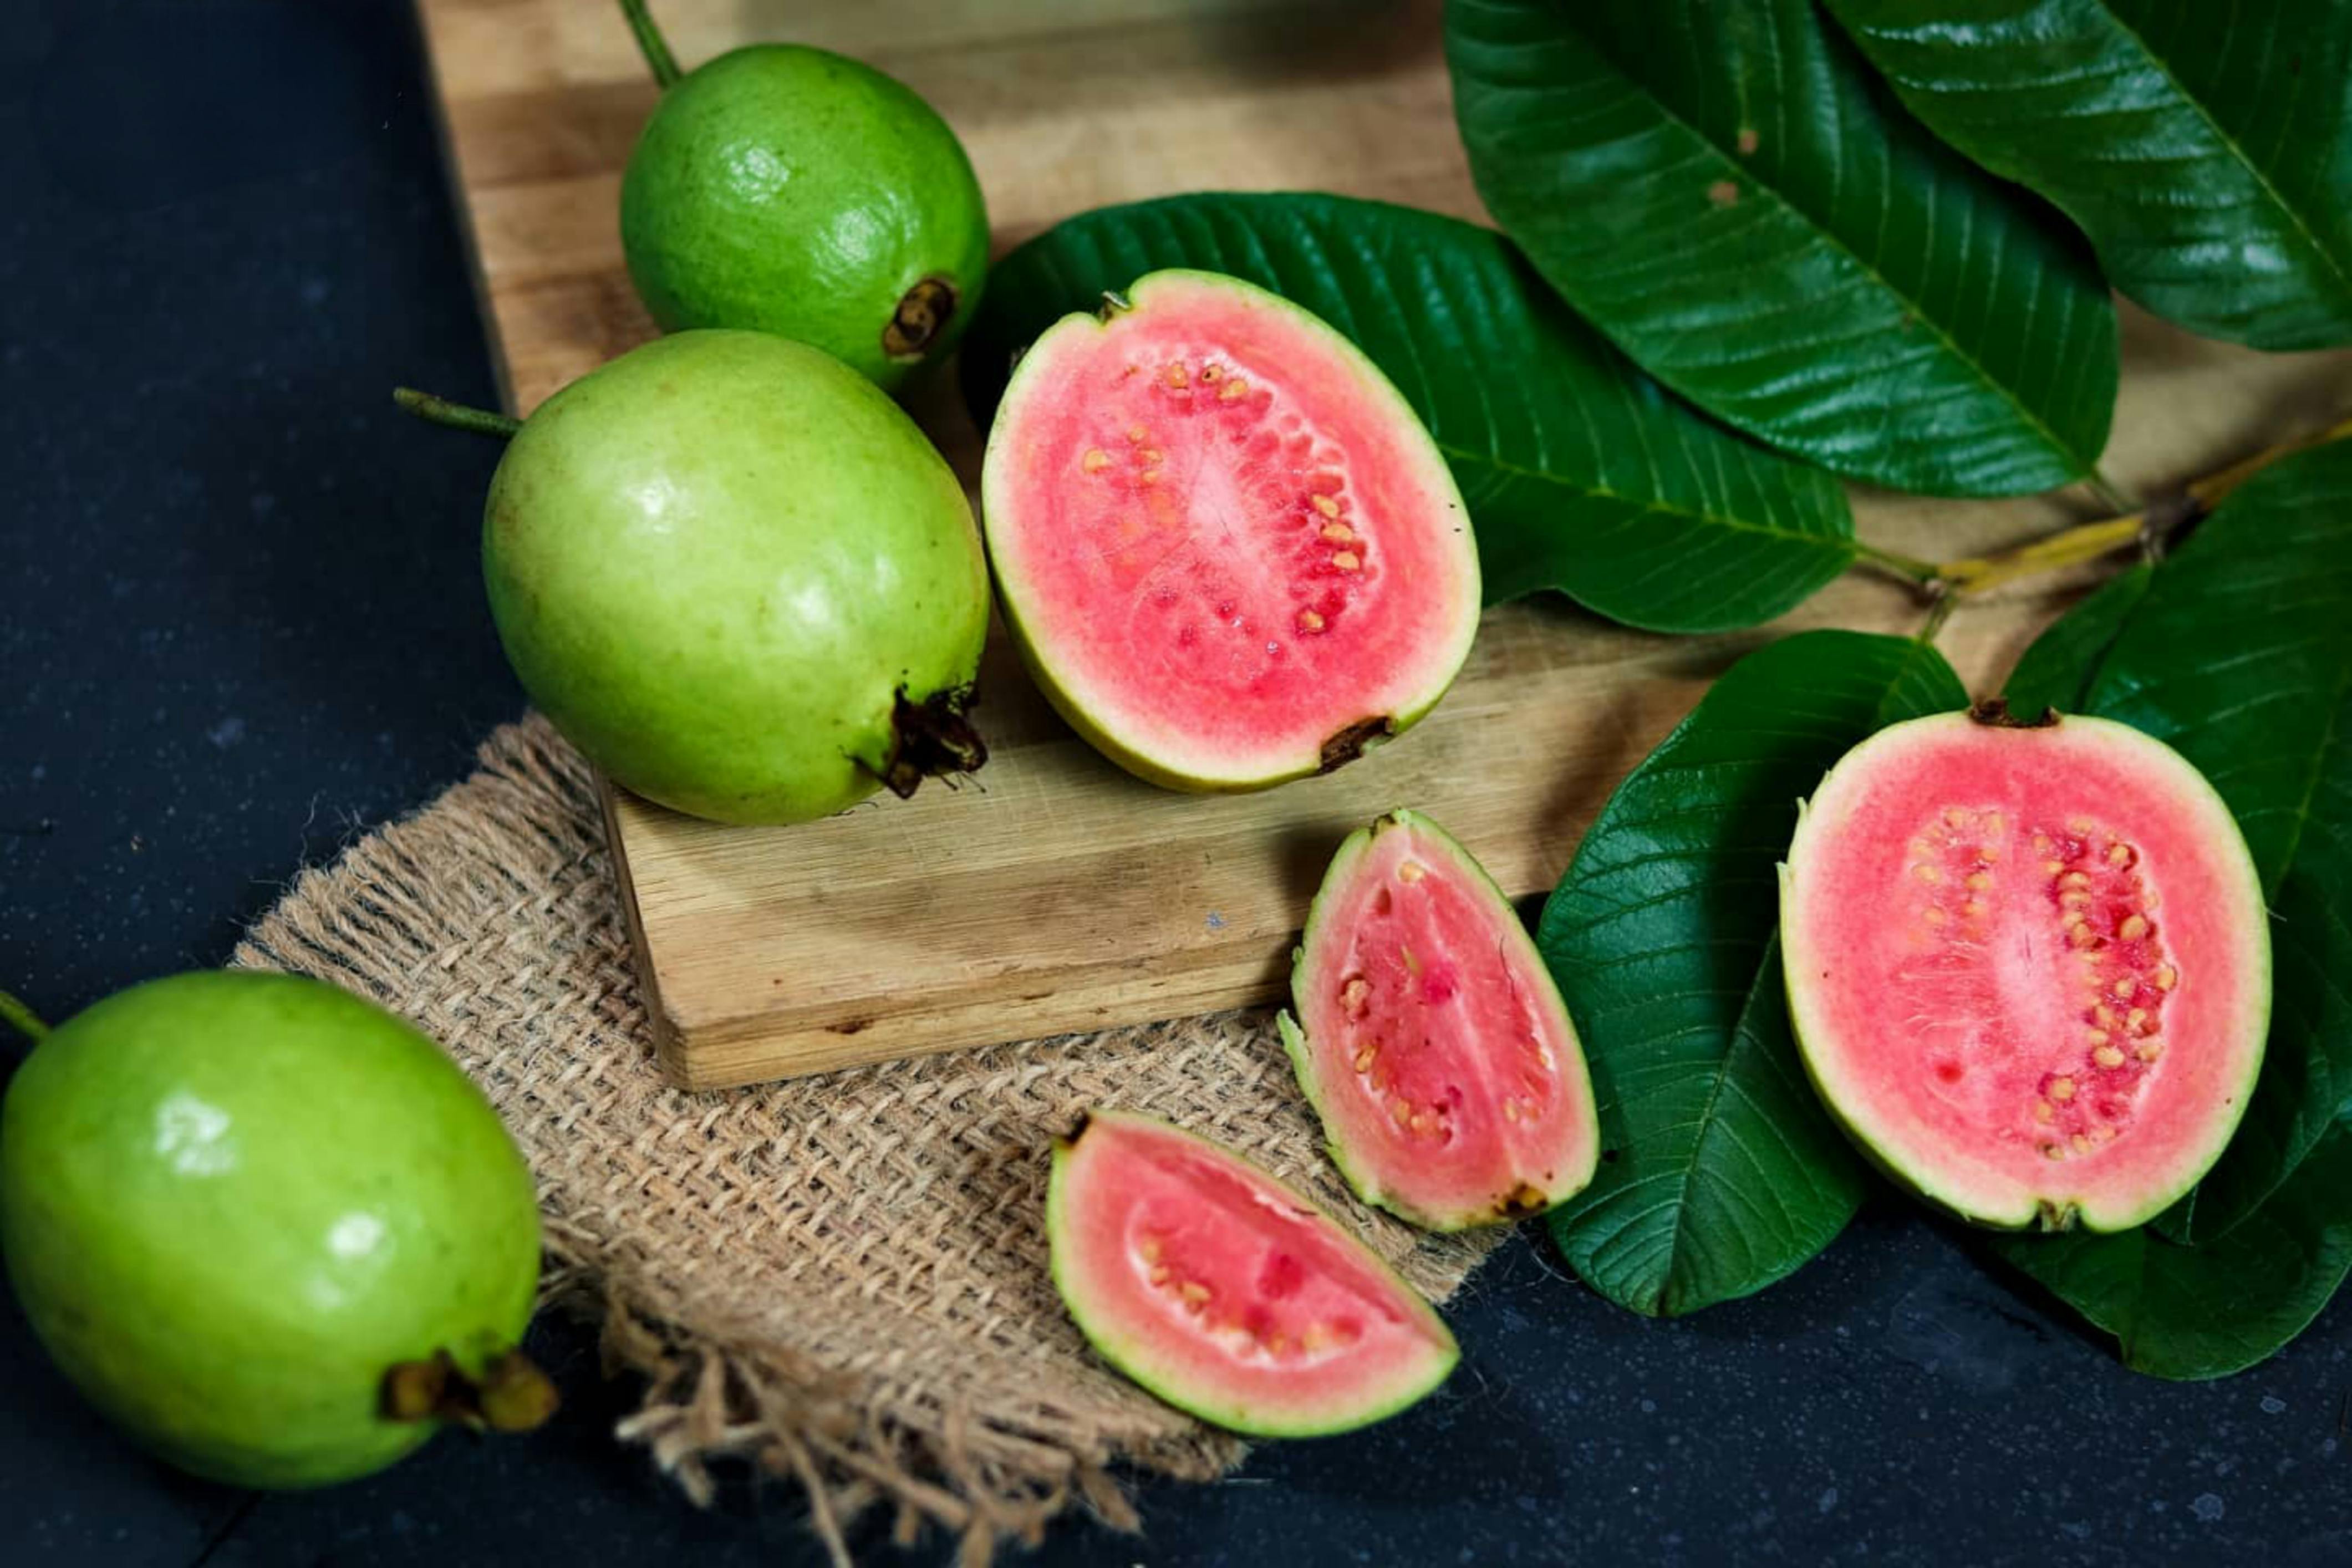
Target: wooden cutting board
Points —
{"points": [[1054, 893]]}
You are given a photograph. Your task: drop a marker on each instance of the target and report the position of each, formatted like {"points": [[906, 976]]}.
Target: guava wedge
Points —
{"points": [[1431, 1038], [1230, 554], [1226, 1292], [2028, 964]]}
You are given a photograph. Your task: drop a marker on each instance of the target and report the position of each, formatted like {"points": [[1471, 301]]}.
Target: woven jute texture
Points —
{"points": [[841, 1280]]}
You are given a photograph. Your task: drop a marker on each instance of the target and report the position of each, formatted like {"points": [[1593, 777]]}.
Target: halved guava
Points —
{"points": [[2029, 965], [1226, 1292], [1229, 552], [1431, 1038]]}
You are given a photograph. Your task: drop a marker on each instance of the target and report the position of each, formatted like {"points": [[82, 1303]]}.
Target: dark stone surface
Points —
{"points": [[241, 621]]}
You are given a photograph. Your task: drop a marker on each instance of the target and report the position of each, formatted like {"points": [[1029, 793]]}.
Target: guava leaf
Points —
{"points": [[2057, 671], [1724, 1172], [2219, 1307], [1724, 188], [2206, 149], [2237, 653], [1580, 472]]}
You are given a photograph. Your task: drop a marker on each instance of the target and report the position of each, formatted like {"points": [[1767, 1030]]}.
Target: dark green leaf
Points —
{"points": [[2305, 1086], [2238, 652], [2058, 670], [1725, 1171], [2221, 1306], [1579, 473], [1724, 189], [2205, 148]]}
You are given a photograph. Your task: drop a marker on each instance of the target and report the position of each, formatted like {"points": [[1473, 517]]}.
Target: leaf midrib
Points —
{"points": [[1705, 1125], [2080, 464], [2230, 144]]}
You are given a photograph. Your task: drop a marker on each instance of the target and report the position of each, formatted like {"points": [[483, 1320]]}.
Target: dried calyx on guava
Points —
{"points": [[786, 189], [1226, 1292], [2028, 964], [1431, 1038], [269, 1228], [1228, 549], [740, 579]]}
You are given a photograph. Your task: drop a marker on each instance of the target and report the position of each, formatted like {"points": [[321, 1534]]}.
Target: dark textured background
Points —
{"points": [[240, 621]]}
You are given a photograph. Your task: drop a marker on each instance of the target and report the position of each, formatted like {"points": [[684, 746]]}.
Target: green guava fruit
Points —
{"points": [[1228, 549], [1227, 1293], [738, 577], [789, 190], [1431, 1038], [2028, 965], [267, 1228]]}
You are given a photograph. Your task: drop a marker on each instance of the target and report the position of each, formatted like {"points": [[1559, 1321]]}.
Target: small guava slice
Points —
{"points": [[1432, 1040], [786, 189], [265, 1225], [2028, 964], [1226, 1292], [1228, 549]]}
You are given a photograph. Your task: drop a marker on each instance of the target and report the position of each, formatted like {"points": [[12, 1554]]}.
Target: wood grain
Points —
{"points": [[1054, 893]]}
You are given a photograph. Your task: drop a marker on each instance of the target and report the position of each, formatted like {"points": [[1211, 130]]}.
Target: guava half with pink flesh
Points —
{"points": [[1227, 547], [1226, 1292], [2029, 965], [1431, 1038]]}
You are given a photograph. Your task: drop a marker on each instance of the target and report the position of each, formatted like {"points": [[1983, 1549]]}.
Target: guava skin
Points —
{"points": [[716, 561], [790, 190], [231, 1200]]}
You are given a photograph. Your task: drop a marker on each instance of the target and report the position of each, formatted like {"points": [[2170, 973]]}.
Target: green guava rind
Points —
{"points": [[786, 189], [1134, 1360], [997, 500], [1357, 1170], [716, 561], [231, 1200], [2032, 1212]]}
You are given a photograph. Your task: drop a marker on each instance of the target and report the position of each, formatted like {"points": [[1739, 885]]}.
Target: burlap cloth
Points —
{"points": [[841, 1280]]}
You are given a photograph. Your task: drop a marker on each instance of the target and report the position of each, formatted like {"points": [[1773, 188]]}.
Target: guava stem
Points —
{"points": [[455, 416], [1909, 566], [651, 44], [25, 1022]]}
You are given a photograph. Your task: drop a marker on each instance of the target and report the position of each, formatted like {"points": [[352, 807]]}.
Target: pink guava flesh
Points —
{"points": [[1432, 1040], [1230, 552], [2028, 967], [1226, 1293]]}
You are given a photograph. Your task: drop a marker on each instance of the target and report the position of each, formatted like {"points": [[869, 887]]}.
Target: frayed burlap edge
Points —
{"points": [[840, 1281]]}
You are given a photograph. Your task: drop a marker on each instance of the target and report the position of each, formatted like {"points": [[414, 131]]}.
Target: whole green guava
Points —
{"points": [[740, 579], [241, 1208], [790, 190]]}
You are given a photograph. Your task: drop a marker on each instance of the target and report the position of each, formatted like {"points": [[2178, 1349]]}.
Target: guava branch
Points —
{"points": [[2151, 528]]}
